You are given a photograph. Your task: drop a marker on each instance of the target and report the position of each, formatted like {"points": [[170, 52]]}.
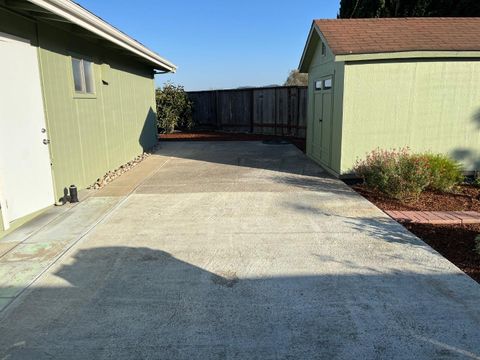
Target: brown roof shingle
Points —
{"points": [[364, 36]]}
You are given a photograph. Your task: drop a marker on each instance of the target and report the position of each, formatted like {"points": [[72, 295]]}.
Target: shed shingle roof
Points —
{"points": [[365, 36]]}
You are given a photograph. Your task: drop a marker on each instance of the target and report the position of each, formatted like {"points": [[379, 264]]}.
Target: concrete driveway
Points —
{"points": [[235, 250]]}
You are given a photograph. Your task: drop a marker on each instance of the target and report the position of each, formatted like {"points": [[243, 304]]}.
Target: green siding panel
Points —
{"points": [[88, 136], [322, 66], [91, 135], [425, 105]]}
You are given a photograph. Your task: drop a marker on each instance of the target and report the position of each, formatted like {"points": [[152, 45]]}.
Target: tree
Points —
{"points": [[410, 8], [296, 78], [174, 109]]}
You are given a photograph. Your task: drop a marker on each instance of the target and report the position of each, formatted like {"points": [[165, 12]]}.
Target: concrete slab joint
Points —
{"points": [[238, 250]]}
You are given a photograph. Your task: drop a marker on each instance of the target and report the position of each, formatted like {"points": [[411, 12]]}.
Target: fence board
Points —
{"points": [[270, 110]]}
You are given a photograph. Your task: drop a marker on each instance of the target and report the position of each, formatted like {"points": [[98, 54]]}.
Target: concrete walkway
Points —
{"points": [[232, 250]]}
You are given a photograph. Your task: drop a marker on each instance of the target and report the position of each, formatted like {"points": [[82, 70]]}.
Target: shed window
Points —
{"points": [[318, 85], [83, 76], [327, 84]]}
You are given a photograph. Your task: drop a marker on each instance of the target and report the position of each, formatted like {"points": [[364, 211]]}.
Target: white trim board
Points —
{"points": [[78, 15]]}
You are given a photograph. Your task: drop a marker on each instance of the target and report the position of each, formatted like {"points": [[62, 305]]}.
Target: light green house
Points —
{"points": [[392, 83], [76, 100]]}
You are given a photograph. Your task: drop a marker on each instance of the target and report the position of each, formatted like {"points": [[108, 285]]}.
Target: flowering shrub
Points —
{"points": [[402, 175], [396, 173], [445, 173]]}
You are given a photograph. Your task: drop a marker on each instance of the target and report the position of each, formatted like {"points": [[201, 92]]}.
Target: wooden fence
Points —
{"points": [[270, 110]]}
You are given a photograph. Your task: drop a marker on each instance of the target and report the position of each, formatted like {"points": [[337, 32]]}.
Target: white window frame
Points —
{"points": [[83, 77], [324, 84]]}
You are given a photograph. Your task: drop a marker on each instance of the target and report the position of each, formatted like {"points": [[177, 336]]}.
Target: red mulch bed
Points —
{"points": [[227, 136], [455, 242]]}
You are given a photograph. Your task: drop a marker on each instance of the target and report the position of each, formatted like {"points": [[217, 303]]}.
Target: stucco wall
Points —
{"points": [[89, 136], [425, 105]]}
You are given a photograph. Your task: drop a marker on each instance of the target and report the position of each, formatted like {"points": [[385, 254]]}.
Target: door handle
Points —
{"points": [[320, 120], [46, 141]]}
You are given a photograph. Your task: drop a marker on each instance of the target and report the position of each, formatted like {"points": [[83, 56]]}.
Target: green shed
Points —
{"points": [[392, 83], [77, 99]]}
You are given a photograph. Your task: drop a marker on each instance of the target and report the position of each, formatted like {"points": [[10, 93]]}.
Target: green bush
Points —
{"points": [[397, 174], [402, 175], [445, 172], [174, 109]]}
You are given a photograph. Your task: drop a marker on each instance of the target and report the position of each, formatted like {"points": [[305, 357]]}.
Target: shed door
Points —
{"points": [[322, 120], [25, 172]]}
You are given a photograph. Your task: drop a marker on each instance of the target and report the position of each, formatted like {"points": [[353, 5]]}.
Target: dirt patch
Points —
{"points": [[454, 242], [464, 198], [227, 136]]}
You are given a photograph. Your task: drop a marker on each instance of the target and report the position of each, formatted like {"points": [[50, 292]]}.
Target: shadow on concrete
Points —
{"points": [[323, 183], [247, 154], [135, 302], [374, 226]]}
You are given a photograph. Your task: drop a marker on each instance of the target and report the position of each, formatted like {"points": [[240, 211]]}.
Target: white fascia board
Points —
{"points": [[85, 19], [407, 55]]}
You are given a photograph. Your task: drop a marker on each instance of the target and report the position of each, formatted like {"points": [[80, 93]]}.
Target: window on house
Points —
{"points": [[327, 84], [324, 49], [318, 85], [83, 76]]}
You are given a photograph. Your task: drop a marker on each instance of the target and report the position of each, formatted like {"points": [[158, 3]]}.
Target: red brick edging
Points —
{"points": [[436, 217]]}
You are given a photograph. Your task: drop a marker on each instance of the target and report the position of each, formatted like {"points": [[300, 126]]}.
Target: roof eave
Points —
{"points": [[415, 54], [83, 18]]}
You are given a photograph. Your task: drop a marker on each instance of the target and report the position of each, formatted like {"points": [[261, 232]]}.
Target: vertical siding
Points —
{"points": [[425, 105], [88, 136], [322, 66], [91, 135]]}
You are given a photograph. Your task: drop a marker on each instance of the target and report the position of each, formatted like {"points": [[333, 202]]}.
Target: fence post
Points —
{"points": [[252, 109], [216, 110]]}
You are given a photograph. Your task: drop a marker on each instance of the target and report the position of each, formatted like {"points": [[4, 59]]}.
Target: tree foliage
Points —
{"points": [[174, 109], [407, 8], [296, 78]]}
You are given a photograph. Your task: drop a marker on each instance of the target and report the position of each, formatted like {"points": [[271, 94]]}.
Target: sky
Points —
{"points": [[219, 44]]}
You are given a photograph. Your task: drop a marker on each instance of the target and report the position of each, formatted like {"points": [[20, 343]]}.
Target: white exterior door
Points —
{"points": [[25, 172]]}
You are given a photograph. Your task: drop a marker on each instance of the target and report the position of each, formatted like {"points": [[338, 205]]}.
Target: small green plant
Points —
{"points": [[398, 174], [445, 172], [174, 109]]}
